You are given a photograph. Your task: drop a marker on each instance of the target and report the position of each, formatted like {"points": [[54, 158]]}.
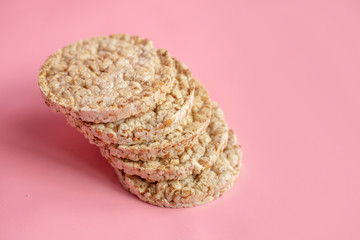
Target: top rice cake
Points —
{"points": [[107, 78]]}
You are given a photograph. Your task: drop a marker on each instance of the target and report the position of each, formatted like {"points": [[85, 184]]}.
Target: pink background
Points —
{"points": [[286, 74]]}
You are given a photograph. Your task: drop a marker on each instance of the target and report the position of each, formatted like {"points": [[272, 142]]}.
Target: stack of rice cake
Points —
{"points": [[152, 120]]}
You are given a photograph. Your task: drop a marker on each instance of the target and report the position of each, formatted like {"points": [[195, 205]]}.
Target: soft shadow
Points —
{"points": [[45, 136]]}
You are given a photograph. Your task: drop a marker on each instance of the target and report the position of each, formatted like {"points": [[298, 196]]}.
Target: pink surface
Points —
{"points": [[286, 74]]}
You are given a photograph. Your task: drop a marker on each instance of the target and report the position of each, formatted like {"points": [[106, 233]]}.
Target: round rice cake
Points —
{"points": [[174, 143], [107, 78], [194, 160], [151, 125], [193, 190]]}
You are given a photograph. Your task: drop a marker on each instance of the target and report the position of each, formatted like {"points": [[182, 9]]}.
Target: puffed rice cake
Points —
{"points": [[107, 78], [176, 141], [193, 190], [151, 125], [194, 160]]}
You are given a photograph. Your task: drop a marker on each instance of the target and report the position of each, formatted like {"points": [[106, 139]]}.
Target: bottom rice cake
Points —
{"points": [[194, 190]]}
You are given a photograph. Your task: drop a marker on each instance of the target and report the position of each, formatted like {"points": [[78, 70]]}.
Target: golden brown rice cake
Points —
{"points": [[193, 190]]}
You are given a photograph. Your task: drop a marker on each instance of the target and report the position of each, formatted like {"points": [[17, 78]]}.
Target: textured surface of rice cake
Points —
{"points": [[105, 79], [193, 190], [194, 160], [174, 143], [151, 125]]}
